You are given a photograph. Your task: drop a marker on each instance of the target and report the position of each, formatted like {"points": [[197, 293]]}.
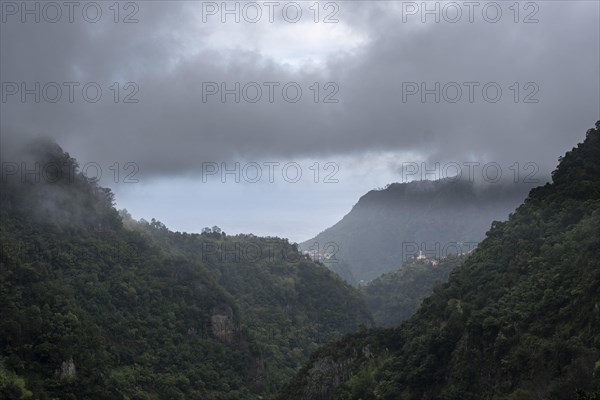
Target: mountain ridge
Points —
{"points": [[97, 306], [518, 320], [385, 227]]}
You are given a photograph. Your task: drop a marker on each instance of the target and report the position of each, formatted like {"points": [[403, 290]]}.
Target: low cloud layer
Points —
{"points": [[372, 64]]}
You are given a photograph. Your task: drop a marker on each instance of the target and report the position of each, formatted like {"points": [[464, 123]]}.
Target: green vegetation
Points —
{"points": [[285, 301], [518, 320], [396, 296], [386, 226], [97, 306]]}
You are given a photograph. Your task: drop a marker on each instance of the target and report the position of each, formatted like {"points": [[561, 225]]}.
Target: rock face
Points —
{"points": [[333, 365], [327, 375], [67, 369], [324, 377], [221, 323], [258, 374]]}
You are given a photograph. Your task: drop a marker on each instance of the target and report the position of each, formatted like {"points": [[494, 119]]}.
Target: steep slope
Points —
{"points": [[386, 226], [396, 296], [286, 301], [519, 319], [92, 310]]}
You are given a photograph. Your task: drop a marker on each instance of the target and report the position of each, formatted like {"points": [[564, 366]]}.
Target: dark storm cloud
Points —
{"points": [[169, 53]]}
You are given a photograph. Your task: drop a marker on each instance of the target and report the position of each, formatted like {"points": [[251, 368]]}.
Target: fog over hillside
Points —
{"points": [[388, 227], [312, 200], [141, 89]]}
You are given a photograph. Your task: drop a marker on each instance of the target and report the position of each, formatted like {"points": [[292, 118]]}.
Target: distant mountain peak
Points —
{"points": [[375, 236]]}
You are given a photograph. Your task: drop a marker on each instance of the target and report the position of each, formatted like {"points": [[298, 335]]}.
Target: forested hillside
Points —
{"points": [[287, 302], [396, 296], [96, 306], [386, 226], [518, 320]]}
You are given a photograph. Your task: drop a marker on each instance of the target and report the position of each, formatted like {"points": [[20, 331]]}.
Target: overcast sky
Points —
{"points": [[385, 86]]}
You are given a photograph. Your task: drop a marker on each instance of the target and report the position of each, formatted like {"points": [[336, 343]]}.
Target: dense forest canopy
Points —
{"points": [[519, 319], [95, 305], [396, 296]]}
